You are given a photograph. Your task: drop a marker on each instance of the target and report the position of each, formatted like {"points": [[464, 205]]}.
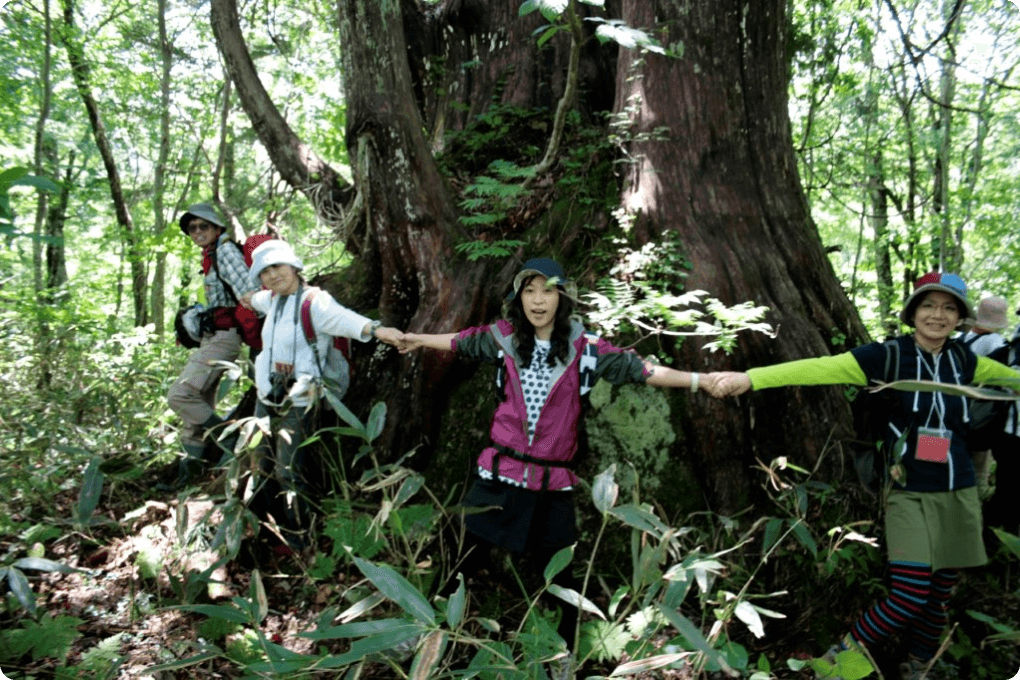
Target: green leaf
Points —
{"points": [[455, 605], [258, 595], [640, 518], [428, 656], [218, 611], [558, 563], [43, 564], [184, 663], [850, 665], [772, 531], [376, 421], [605, 490], [1011, 541], [575, 598], [650, 663], [359, 629], [19, 586], [345, 413], [42, 183], [804, 536], [398, 589], [91, 490], [693, 636], [527, 7], [548, 33]]}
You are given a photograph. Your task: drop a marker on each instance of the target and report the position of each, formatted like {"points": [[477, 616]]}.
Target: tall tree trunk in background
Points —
{"points": [[878, 218], [726, 179], [949, 254], [43, 332], [39, 153], [159, 185], [877, 200], [82, 80], [56, 217]]}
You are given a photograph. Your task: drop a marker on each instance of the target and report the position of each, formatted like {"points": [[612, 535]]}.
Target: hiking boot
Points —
{"points": [[189, 467], [914, 669]]}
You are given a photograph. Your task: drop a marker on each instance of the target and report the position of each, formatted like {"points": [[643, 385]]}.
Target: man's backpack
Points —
{"points": [[988, 417]]}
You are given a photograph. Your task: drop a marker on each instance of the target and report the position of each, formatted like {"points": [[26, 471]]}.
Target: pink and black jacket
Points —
{"points": [[545, 463]]}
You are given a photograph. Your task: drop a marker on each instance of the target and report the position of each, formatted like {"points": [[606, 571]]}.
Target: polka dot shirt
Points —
{"points": [[536, 380]]}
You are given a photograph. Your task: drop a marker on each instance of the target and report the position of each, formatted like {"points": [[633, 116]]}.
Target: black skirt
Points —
{"points": [[522, 518]]}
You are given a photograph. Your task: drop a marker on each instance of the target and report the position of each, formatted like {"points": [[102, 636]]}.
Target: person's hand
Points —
{"points": [[726, 383], [246, 301], [391, 336], [409, 342]]}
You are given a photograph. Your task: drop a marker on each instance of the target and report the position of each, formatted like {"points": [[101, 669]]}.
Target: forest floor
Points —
{"points": [[134, 617]]}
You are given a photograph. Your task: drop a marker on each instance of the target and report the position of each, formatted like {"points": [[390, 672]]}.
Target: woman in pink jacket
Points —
{"points": [[546, 363]]}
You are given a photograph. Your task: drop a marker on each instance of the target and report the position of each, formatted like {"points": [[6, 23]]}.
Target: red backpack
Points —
{"points": [[342, 345]]}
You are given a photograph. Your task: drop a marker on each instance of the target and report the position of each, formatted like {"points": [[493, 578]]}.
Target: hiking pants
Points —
{"points": [[193, 395]]}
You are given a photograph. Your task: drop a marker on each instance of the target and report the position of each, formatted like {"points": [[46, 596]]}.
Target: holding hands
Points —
{"points": [[391, 336], [726, 383]]}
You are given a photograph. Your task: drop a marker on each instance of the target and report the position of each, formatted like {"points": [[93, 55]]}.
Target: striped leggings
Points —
{"points": [[917, 602]]}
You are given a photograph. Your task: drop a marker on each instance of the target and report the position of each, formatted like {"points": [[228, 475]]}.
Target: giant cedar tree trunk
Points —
{"points": [[489, 56], [727, 180], [410, 219]]}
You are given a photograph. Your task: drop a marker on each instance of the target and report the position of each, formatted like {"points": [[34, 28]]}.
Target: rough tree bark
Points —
{"points": [[83, 81], [725, 179]]}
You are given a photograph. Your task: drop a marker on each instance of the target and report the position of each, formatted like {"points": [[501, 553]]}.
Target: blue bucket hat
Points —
{"points": [[551, 270], [944, 282]]}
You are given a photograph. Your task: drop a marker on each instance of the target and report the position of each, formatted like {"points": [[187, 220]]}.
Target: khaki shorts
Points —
{"points": [[942, 529]]}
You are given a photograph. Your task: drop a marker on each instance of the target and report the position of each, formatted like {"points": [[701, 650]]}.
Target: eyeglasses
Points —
{"points": [[198, 226]]}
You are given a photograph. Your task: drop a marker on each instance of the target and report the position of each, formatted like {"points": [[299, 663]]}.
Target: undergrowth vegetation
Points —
{"points": [[95, 565]]}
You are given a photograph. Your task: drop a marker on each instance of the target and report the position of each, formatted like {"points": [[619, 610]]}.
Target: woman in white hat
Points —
{"points": [[932, 512], [291, 372]]}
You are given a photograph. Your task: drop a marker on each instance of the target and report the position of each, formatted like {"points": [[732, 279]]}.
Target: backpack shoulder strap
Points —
{"points": [[892, 361], [588, 362], [215, 259], [306, 316]]}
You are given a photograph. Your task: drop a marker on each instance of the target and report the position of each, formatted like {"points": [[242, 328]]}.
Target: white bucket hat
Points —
{"points": [[991, 314], [272, 252]]}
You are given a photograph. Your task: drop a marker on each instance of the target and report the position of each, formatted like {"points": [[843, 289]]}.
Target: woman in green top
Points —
{"points": [[933, 513]]}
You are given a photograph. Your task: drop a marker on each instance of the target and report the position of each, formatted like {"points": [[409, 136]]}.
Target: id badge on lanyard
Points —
{"points": [[933, 444]]}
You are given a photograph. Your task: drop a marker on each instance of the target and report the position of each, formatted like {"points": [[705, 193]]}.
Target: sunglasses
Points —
{"points": [[198, 226]]}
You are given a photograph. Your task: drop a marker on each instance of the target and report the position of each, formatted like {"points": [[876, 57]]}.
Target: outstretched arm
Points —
{"points": [[413, 341], [663, 376]]}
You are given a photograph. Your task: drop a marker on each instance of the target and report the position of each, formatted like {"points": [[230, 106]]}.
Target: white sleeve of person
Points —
{"points": [[329, 317]]}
